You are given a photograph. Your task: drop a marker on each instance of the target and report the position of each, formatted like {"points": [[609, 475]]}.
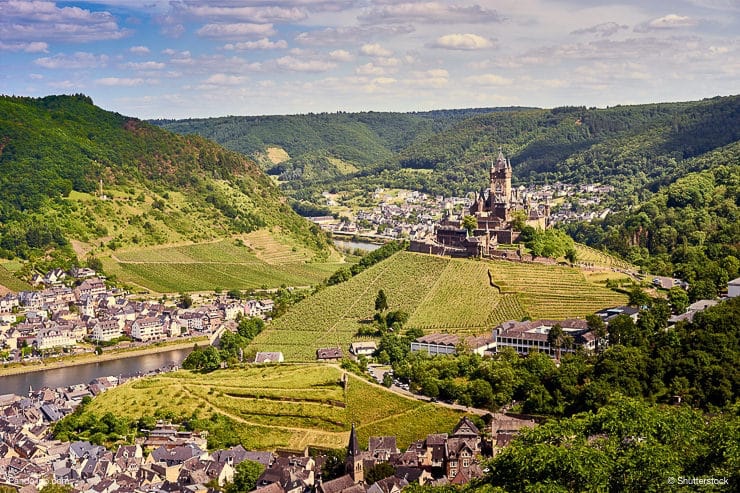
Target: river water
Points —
{"points": [[71, 375], [362, 245]]}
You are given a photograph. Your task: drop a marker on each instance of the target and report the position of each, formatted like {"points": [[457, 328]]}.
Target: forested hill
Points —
{"points": [[55, 152], [629, 145]]}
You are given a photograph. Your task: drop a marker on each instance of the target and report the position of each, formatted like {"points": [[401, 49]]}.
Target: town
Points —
{"points": [[75, 311], [410, 214]]}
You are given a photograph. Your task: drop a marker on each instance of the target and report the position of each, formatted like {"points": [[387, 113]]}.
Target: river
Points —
{"points": [[362, 245], [71, 375]]}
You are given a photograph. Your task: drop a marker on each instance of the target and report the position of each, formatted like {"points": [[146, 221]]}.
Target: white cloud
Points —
{"points": [[31, 20], [375, 50], [32, 47], [120, 81], [670, 21], [226, 80], [605, 29], [144, 65], [341, 56], [462, 42], [139, 50], [235, 30], [348, 34], [489, 80], [260, 44], [78, 60], [429, 12], [259, 14], [369, 69], [295, 65]]}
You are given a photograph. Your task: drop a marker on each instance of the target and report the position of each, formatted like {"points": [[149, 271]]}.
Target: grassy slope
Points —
{"points": [[440, 294], [8, 280], [161, 187], [254, 399]]}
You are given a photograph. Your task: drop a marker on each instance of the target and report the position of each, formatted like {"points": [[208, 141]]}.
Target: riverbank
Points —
{"points": [[87, 358]]}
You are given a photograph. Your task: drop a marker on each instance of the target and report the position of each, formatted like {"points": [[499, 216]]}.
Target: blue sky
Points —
{"points": [[197, 58]]}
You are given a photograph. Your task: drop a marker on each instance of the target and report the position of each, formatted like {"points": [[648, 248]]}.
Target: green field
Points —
{"points": [[289, 406], [258, 260], [440, 294]]}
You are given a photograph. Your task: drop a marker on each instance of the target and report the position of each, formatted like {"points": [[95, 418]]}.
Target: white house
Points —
{"points": [[733, 288]]}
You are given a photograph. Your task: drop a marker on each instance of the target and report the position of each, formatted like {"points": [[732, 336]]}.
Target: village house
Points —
{"points": [[332, 354], [268, 357], [363, 348]]}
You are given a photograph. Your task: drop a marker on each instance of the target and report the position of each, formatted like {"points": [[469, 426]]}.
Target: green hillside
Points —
{"points": [[158, 187], [440, 295], [629, 145], [269, 407]]}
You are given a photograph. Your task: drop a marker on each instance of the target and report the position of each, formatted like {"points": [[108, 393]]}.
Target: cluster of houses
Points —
{"points": [[60, 315], [169, 459], [414, 215]]}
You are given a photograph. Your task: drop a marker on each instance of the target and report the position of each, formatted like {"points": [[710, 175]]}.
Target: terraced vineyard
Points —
{"points": [[591, 256], [440, 294], [227, 264], [332, 316], [556, 292], [280, 406]]}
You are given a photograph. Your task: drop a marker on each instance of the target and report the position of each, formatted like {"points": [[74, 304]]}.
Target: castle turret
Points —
{"points": [[501, 180]]}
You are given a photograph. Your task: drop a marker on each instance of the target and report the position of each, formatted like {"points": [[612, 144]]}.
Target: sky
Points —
{"points": [[199, 58]]}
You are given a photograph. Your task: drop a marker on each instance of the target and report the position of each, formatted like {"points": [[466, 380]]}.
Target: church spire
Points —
{"points": [[354, 447]]}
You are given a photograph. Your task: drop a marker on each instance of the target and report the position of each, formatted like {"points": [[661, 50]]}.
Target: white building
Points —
{"points": [[733, 288], [531, 336], [54, 337], [148, 329], [106, 330]]}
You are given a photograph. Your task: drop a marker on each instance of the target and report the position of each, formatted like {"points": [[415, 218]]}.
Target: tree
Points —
{"points": [[379, 471], [638, 297], [381, 302], [571, 256], [555, 338], [245, 477], [186, 301], [598, 327], [679, 299], [470, 223]]}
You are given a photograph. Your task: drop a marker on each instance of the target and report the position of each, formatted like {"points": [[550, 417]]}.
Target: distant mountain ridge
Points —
{"points": [[629, 145], [59, 152]]}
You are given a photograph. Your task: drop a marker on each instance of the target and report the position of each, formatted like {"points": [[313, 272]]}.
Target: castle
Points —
{"points": [[497, 212]]}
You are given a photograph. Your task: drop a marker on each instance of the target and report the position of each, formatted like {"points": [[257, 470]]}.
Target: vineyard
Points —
{"points": [[554, 292], [592, 257], [9, 281], [440, 294], [280, 406], [226, 264]]}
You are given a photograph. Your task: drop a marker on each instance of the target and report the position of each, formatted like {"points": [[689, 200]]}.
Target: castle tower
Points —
{"points": [[501, 180], [353, 462]]}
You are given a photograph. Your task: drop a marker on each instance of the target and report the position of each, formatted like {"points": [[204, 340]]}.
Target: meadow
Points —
{"points": [[280, 406], [441, 295]]}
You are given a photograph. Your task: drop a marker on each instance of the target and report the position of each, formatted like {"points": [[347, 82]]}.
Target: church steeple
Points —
{"points": [[354, 447]]}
